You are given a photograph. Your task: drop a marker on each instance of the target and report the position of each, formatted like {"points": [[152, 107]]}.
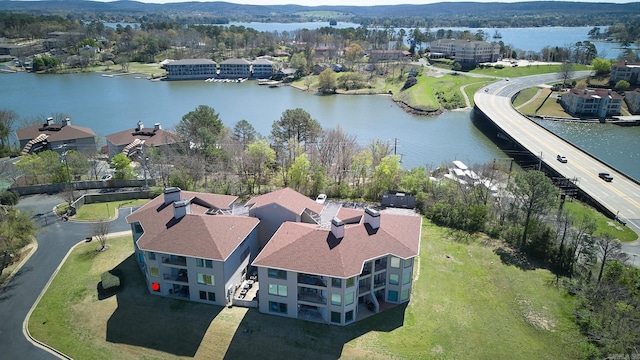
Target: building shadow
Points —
{"points": [[173, 326], [264, 336]]}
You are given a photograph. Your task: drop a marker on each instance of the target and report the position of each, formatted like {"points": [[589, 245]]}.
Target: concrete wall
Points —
{"points": [[79, 185]]}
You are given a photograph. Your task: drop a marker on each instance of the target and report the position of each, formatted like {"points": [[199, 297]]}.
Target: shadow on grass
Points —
{"points": [[264, 336], [514, 258], [155, 322]]}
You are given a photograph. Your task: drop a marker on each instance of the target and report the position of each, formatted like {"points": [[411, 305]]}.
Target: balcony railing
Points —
{"points": [[381, 266], [379, 284], [179, 261], [177, 278], [311, 280], [366, 270], [312, 298]]}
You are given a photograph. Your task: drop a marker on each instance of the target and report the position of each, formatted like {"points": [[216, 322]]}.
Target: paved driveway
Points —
{"points": [[55, 238]]}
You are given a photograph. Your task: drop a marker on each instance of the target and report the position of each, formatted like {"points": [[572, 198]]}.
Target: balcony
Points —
{"points": [[312, 298], [366, 270], [181, 277], [311, 280], [379, 284], [175, 260], [381, 265]]}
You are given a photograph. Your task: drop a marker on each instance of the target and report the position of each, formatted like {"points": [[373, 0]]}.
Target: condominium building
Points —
{"points": [[466, 51], [191, 69], [598, 102], [625, 71]]}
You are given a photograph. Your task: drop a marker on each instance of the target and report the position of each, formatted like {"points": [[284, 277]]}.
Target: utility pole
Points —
{"points": [[395, 146], [540, 162]]}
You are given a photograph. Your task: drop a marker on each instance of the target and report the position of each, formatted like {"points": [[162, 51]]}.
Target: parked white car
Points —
{"points": [[321, 198]]}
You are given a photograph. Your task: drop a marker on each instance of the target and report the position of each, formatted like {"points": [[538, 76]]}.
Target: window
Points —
{"points": [[348, 298], [277, 274], [348, 316], [406, 277], [206, 279], [277, 307], [152, 255], [199, 262], [394, 279], [141, 258], [336, 283], [208, 264], [404, 295], [408, 262], [351, 281], [203, 295], [137, 228], [153, 271], [393, 295], [278, 290], [212, 296], [335, 317], [395, 262], [336, 299]]}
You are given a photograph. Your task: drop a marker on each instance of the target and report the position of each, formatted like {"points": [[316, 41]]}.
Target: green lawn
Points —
{"points": [[524, 70], [525, 95], [465, 304], [532, 107], [605, 225], [105, 210]]}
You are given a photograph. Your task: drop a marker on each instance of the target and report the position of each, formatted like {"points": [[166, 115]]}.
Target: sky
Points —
{"points": [[361, 2]]}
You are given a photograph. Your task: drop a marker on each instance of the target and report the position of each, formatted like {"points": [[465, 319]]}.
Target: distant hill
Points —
{"points": [[238, 12]]}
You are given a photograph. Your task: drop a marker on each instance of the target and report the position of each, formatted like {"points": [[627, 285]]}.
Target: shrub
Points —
{"points": [[409, 83], [9, 197], [499, 66], [110, 281]]}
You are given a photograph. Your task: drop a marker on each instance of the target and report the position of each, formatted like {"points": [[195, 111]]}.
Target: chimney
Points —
{"points": [[372, 217], [337, 228], [181, 208], [171, 194], [157, 127], [49, 121], [140, 126], [66, 121]]}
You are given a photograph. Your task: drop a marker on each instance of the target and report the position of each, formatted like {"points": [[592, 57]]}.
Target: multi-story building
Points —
{"points": [[599, 102], [358, 266], [632, 98], [380, 55], [466, 51], [262, 69], [191, 69], [625, 71], [129, 140], [200, 247], [235, 68], [188, 245], [57, 137]]}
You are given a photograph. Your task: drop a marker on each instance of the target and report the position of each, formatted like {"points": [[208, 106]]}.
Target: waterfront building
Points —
{"points": [[235, 68], [262, 69], [625, 71], [130, 140], [466, 51], [57, 137], [598, 102], [191, 69]]}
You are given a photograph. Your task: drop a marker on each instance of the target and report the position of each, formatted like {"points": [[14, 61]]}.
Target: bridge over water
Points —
{"points": [[620, 197]]}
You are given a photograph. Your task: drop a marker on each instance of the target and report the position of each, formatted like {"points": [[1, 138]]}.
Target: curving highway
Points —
{"points": [[621, 196]]}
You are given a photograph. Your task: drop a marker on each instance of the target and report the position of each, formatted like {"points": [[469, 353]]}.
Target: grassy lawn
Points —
{"points": [[465, 301], [525, 95], [105, 210], [532, 107], [524, 70], [605, 225], [471, 89]]}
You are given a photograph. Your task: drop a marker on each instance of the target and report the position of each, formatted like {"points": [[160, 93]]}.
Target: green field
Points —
{"points": [[466, 303]]}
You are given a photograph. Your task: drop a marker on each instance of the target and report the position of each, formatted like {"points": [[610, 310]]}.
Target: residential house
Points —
{"points": [[336, 275], [466, 51], [57, 39], [262, 69], [625, 71], [380, 55], [598, 102], [128, 141], [189, 245], [632, 98], [279, 206], [235, 68], [57, 137], [191, 69], [286, 73]]}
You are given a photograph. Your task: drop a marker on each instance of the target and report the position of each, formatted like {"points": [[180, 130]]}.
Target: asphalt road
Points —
{"points": [[621, 196], [55, 238]]}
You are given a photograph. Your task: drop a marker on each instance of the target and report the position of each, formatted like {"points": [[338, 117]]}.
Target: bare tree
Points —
{"points": [[99, 231], [608, 249]]}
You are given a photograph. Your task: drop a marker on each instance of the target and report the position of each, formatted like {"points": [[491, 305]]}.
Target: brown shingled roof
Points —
{"points": [[56, 132], [152, 138], [309, 249], [287, 198], [196, 234]]}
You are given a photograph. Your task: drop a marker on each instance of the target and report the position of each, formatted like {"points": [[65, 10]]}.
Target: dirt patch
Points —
{"points": [[412, 110], [537, 319]]}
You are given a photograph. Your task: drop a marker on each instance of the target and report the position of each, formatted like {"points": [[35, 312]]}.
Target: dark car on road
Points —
{"points": [[605, 176]]}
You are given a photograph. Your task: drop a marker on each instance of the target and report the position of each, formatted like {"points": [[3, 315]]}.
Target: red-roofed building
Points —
{"points": [[57, 137], [190, 245], [597, 102], [131, 139], [332, 275]]}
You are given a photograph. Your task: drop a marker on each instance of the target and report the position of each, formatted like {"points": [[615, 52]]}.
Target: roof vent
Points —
{"points": [[372, 217], [337, 228]]}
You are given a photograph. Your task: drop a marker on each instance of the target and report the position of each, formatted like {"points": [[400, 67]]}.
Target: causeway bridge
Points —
{"points": [[621, 197]]}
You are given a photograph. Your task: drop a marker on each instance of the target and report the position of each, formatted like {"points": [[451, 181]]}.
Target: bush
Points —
{"points": [[110, 281], [9, 197], [409, 83], [499, 66]]}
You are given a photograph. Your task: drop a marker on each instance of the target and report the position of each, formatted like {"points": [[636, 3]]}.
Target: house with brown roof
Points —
{"points": [[597, 102], [130, 140], [57, 137], [624, 70], [337, 275], [279, 206], [191, 246]]}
